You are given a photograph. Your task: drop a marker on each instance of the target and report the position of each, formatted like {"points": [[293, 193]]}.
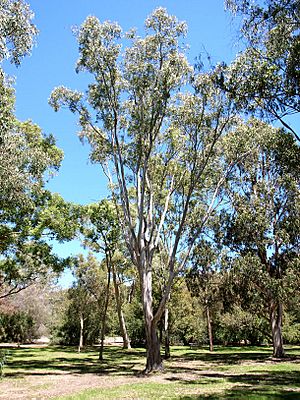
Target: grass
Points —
{"points": [[228, 373]]}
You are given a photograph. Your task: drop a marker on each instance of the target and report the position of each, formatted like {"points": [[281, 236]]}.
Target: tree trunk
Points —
{"points": [[167, 337], [276, 323], [209, 328], [81, 332], [103, 321], [123, 329], [154, 360]]}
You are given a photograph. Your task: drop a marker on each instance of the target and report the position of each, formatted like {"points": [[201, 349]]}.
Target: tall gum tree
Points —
{"points": [[153, 123]]}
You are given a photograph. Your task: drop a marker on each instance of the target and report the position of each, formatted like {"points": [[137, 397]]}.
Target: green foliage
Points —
{"points": [[265, 200], [203, 277], [239, 326], [28, 158], [87, 299], [17, 30], [186, 322], [100, 227], [16, 327], [68, 332], [153, 123], [135, 321], [261, 223], [265, 77], [291, 328]]}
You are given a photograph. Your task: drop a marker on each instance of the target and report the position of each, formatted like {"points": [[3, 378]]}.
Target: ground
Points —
{"points": [[228, 373]]}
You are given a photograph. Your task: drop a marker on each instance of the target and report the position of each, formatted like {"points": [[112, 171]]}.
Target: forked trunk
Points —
{"points": [[276, 323], [123, 329], [209, 328], [80, 345], [154, 360]]}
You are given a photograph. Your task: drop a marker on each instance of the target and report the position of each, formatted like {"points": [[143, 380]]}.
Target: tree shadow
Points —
{"points": [[116, 361], [214, 369], [250, 386], [244, 393]]}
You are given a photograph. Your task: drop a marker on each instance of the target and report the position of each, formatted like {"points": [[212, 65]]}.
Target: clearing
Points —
{"points": [[240, 373]]}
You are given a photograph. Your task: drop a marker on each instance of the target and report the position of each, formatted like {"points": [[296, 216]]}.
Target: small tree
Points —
{"points": [[101, 233], [204, 280]]}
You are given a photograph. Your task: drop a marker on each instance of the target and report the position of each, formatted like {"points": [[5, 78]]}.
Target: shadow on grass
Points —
{"points": [[233, 356], [58, 360], [251, 386], [237, 355], [246, 393], [254, 385]]}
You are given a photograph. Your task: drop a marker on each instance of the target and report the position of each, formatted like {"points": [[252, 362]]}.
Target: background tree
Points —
{"points": [[32, 308], [88, 306], [204, 280], [27, 159], [263, 225], [186, 322], [265, 78], [101, 233]]}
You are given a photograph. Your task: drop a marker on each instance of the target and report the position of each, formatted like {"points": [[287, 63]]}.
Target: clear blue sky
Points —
{"points": [[52, 64]]}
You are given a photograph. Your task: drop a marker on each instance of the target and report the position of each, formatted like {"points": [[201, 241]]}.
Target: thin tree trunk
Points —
{"points": [[154, 359], [123, 329], [276, 324], [103, 321], [81, 332], [209, 328], [167, 337], [131, 293]]}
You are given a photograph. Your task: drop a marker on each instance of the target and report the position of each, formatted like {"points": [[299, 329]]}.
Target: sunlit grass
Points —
{"points": [[227, 373]]}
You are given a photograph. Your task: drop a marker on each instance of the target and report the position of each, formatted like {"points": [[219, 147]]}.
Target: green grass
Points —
{"points": [[241, 373], [23, 361]]}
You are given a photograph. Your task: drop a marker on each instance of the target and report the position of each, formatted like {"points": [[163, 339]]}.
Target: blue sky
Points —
{"points": [[52, 64]]}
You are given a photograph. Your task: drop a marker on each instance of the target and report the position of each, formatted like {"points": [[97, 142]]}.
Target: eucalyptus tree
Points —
{"points": [[153, 123], [263, 224], [264, 78]]}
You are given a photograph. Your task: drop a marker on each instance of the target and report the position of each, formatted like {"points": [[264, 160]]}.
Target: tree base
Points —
{"points": [[153, 369], [278, 356]]}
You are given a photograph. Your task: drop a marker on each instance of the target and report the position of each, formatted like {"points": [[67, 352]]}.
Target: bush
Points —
{"points": [[291, 330], [16, 327], [240, 326]]}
